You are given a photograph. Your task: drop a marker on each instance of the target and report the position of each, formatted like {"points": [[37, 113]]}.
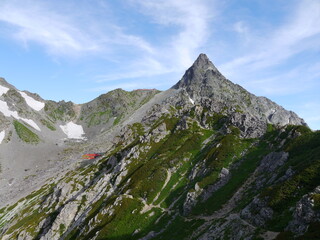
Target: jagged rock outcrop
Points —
{"points": [[257, 212], [250, 113], [305, 212], [224, 177], [203, 160]]}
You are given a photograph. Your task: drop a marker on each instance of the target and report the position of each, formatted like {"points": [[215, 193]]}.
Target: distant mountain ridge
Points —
{"points": [[205, 159], [30, 126]]}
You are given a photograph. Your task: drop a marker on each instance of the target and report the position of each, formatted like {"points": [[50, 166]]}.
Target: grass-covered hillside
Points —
{"points": [[203, 160], [176, 179], [113, 107], [25, 134]]}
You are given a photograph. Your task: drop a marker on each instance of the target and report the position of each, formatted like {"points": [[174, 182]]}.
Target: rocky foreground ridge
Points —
{"points": [[203, 160]]}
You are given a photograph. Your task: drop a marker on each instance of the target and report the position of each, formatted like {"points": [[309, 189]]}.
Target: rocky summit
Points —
{"points": [[205, 159]]}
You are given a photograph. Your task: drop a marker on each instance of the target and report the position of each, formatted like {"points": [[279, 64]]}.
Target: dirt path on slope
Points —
{"points": [[226, 209], [164, 185]]}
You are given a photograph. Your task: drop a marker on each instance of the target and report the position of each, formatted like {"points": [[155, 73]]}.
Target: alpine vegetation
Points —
{"points": [[204, 159]]}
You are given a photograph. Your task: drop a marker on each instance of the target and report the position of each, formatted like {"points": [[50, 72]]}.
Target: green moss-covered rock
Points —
{"points": [[48, 124], [25, 134], [62, 110]]}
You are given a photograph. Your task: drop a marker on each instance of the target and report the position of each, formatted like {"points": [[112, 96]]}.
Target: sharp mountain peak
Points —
{"points": [[203, 82], [203, 62], [197, 72]]}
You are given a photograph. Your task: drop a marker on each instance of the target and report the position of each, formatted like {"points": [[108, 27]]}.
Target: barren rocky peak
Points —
{"points": [[196, 74], [206, 86], [203, 63]]}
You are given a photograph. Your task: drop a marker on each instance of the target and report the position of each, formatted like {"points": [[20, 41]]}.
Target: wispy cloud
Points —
{"points": [[191, 23], [64, 33], [283, 42], [240, 27], [70, 33], [280, 59], [146, 67], [34, 22], [288, 82], [135, 43], [192, 19]]}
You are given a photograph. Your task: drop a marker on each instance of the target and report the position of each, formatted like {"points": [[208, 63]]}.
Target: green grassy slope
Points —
{"points": [[158, 175]]}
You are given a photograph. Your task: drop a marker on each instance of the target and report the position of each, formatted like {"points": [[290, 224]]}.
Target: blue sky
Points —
{"points": [[78, 49]]}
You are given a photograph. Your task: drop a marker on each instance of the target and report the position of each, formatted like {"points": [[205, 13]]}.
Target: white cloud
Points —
{"points": [[64, 33], [37, 23], [192, 20], [284, 42], [240, 27], [144, 67], [280, 59]]}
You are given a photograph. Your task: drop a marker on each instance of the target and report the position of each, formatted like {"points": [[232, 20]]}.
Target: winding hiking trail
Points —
{"points": [[225, 212], [164, 185], [148, 207]]}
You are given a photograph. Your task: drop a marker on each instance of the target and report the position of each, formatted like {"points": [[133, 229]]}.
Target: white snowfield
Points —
{"points": [[2, 134], [190, 99], [73, 130], [36, 105], [8, 113], [3, 90], [31, 123]]}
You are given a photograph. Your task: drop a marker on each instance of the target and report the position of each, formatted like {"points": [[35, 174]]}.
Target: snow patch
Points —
{"points": [[190, 99], [8, 113], [31, 123], [3, 90], [2, 134], [73, 130], [36, 105]]}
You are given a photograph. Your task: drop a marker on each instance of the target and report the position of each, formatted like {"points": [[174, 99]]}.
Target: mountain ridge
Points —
{"points": [[97, 117], [202, 81], [203, 160]]}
